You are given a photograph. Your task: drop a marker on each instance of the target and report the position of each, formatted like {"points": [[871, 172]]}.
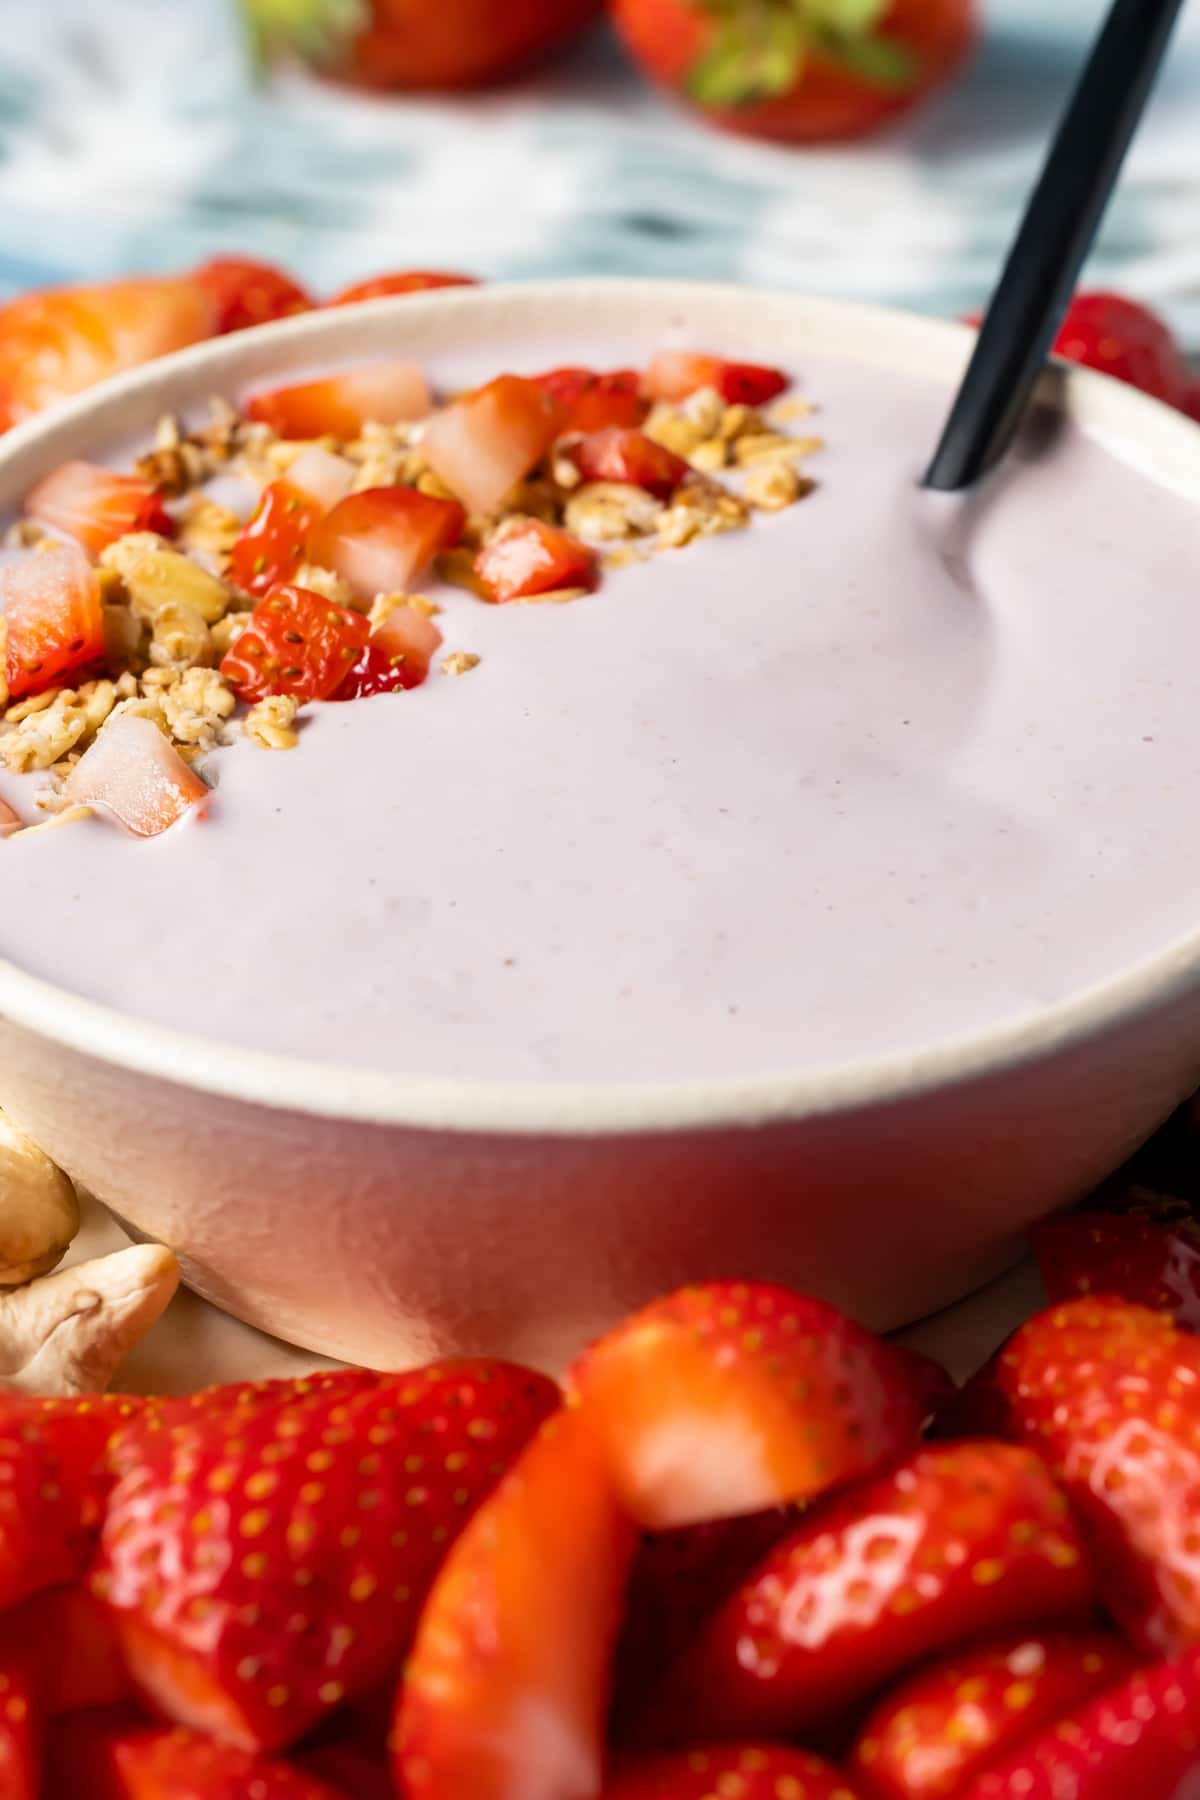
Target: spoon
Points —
{"points": [[1055, 235]]}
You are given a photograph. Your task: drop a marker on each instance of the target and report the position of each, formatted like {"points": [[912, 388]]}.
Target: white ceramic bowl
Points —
{"points": [[380, 1218]]}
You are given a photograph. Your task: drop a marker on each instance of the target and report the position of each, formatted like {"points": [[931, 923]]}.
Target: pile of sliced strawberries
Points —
{"points": [[748, 1551]]}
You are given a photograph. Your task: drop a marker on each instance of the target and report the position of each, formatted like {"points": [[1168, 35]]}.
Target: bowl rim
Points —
{"points": [[598, 1107]]}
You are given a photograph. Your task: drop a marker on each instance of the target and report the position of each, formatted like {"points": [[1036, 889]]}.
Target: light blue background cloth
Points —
{"points": [[132, 136]]}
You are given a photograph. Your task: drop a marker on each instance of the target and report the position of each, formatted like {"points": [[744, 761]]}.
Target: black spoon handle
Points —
{"points": [[1055, 235]]}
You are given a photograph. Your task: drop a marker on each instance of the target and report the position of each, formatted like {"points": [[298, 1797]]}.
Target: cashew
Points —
{"points": [[68, 1333], [39, 1213]]}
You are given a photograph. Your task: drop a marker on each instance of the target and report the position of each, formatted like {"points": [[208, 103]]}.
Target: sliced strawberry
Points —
{"points": [[631, 457], [20, 1749], [1139, 1739], [97, 506], [954, 1543], [396, 658], [1110, 1395], [135, 773], [674, 374], [270, 546], [295, 642], [266, 1564], [409, 281], [527, 557], [118, 1757], [1150, 1257], [338, 406], [736, 1396], [56, 344], [593, 402], [381, 540], [247, 293], [54, 622], [66, 1643], [1119, 337], [507, 1687], [742, 1771], [487, 442], [937, 1730]]}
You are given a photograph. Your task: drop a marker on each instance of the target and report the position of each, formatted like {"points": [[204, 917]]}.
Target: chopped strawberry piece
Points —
{"points": [[1139, 1739], [954, 1543], [10, 819], [54, 622], [1110, 1395], [135, 773], [266, 1563], [396, 658], [1150, 1257], [381, 540], [117, 1756], [735, 1397], [527, 557], [66, 1643], [338, 406], [487, 442], [506, 1690], [674, 374], [631, 457], [938, 1729], [744, 1771], [20, 1753], [295, 642], [593, 402], [56, 344], [247, 293], [97, 506], [410, 281], [321, 476], [270, 547]]}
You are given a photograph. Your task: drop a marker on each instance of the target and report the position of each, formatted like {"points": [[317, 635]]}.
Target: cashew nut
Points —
{"points": [[39, 1212], [68, 1333]]}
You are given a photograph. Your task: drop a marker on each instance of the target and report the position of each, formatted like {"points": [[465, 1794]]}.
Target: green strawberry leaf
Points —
{"points": [[320, 31], [843, 18], [758, 48], [881, 62], [756, 58]]}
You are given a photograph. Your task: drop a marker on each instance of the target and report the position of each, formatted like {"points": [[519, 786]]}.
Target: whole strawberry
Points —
{"points": [[265, 1562], [1122, 338], [1149, 1255]]}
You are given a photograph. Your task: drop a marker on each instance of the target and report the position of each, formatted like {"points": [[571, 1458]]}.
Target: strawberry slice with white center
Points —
{"points": [[735, 1397], [338, 406], [674, 374], [134, 773], [96, 506], [53, 622], [526, 558], [266, 1563], [379, 541], [506, 1690], [488, 441], [10, 819]]}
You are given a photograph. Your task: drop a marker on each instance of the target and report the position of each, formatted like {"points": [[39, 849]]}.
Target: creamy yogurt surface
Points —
{"points": [[879, 771]]}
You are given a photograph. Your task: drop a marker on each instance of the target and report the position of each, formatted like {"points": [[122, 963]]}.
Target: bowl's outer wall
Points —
{"points": [[383, 1239]]}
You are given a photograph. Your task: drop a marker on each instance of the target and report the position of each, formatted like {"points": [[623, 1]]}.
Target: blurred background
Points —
{"points": [[141, 134]]}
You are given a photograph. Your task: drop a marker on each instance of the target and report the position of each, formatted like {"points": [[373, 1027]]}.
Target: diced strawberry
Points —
{"points": [[20, 1750], [321, 476], [742, 1771], [1110, 1395], [410, 281], [110, 1756], [527, 557], [735, 1397], [1139, 1739], [66, 1643], [1150, 1257], [338, 406], [674, 374], [247, 293], [272, 544], [135, 773], [10, 819], [265, 1564], [956, 1542], [506, 1690], [97, 506], [487, 442], [397, 656], [53, 619], [379, 541], [631, 457], [937, 1730], [295, 642], [593, 402], [56, 344]]}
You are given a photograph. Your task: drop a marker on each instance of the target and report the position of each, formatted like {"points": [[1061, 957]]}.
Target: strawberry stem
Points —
{"points": [[758, 48], [319, 31]]}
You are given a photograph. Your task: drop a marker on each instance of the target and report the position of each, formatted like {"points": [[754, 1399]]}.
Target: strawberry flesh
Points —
{"points": [[630, 457], [408, 281], [742, 1771], [96, 506], [20, 1752], [528, 557], [1150, 1257], [594, 402], [54, 622]]}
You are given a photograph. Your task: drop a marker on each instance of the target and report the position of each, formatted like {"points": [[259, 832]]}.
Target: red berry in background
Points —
{"points": [[417, 43], [411, 281], [835, 70], [1150, 1256], [1122, 338], [249, 293]]}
